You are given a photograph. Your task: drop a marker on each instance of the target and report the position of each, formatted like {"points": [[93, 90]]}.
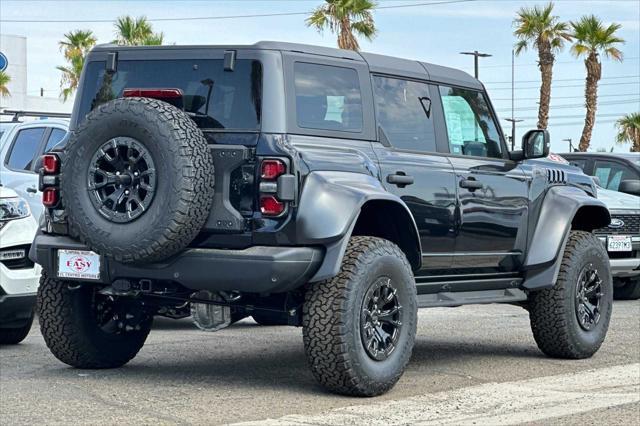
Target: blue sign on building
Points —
{"points": [[3, 62]]}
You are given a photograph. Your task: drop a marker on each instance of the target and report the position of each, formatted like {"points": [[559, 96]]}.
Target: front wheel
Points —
{"points": [[13, 336], [359, 327], [86, 329], [571, 319]]}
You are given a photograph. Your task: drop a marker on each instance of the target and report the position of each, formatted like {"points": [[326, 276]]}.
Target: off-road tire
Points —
{"points": [[552, 311], [628, 291], [70, 330], [13, 336], [269, 319], [332, 315], [184, 176]]}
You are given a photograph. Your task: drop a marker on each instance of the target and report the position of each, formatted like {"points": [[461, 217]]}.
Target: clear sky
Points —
{"points": [[432, 33]]}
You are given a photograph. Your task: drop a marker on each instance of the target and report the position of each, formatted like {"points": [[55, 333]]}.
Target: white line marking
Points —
{"points": [[491, 403]]}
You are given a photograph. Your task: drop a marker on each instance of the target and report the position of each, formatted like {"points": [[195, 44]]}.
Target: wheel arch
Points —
{"points": [[336, 205], [563, 209]]}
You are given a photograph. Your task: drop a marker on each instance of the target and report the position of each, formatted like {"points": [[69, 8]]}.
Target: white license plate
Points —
{"points": [[78, 264], [618, 243], [12, 254]]}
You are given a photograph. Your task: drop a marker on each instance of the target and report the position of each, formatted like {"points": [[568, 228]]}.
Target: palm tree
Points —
{"points": [[75, 46], [537, 27], [4, 81], [592, 38], [348, 18], [629, 130], [136, 31]]}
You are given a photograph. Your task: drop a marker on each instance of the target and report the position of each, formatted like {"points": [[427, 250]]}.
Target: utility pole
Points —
{"points": [[513, 119], [476, 55]]}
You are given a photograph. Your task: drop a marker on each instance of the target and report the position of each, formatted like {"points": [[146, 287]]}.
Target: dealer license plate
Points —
{"points": [[618, 243], [78, 264]]}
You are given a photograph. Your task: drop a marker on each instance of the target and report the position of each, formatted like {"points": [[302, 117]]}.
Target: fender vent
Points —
{"points": [[556, 176]]}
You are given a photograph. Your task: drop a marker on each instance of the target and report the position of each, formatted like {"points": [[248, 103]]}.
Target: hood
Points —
{"points": [[7, 192], [618, 200]]}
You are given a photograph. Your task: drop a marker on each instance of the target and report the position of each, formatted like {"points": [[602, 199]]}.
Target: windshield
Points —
{"points": [[216, 99]]}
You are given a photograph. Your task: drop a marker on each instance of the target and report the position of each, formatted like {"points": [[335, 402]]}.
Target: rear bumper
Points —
{"points": [[258, 269], [15, 310]]}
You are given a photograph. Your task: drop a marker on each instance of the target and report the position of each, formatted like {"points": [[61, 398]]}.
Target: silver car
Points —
{"points": [[622, 240], [20, 148]]}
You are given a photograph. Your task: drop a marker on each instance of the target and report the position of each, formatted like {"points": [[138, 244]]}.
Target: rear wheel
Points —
{"points": [[630, 290], [86, 329], [360, 326], [13, 336], [571, 319]]}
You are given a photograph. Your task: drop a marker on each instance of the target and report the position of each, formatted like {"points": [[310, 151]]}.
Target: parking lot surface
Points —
{"points": [[470, 365]]}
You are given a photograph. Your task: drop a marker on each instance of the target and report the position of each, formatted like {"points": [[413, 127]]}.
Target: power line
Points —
{"points": [[616, 114], [207, 18], [528, 64], [568, 97], [630, 101], [566, 85], [561, 79]]}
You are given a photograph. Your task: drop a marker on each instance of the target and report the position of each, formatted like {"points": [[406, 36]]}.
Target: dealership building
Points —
{"points": [[13, 58]]}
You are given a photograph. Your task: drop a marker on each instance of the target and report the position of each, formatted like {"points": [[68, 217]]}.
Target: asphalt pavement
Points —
{"points": [[470, 365]]}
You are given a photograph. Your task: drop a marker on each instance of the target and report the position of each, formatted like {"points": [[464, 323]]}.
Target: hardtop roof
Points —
{"points": [[377, 63]]}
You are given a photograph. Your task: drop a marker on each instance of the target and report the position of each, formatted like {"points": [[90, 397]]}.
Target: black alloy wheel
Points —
{"points": [[380, 324], [122, 179], [588, 296]]}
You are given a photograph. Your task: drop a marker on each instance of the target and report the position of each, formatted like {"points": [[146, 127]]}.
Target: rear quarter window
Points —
{"points": [[327, 97]]}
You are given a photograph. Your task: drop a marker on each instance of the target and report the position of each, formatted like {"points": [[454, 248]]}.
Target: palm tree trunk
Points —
{"points": [[635, 140], [594, 71], [545, 63], [346, 39]]}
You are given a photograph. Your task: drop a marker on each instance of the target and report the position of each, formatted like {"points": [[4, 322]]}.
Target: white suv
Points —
{"points": [[19, 276]]}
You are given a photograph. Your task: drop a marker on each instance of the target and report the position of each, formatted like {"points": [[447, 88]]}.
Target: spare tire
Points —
{"points": [[137, 180]]}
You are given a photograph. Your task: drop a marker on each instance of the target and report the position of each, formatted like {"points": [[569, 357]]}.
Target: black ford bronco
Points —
{"points": [[308, 186]]}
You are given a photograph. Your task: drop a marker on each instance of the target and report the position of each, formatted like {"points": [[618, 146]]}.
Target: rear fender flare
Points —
{"points": [[329, 207]]}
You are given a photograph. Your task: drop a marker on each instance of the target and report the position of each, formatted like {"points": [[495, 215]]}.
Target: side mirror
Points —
{"points": [[536, 144], [596, 180], [630, 187]]}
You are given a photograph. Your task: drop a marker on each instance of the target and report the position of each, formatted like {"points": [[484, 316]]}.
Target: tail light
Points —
{"points": [[153, 93], [273, 168], [50, 164], [271, 206], [276, 186], [50, 197]]}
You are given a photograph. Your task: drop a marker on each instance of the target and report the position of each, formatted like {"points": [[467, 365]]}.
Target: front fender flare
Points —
{"points": [[547, 243]]}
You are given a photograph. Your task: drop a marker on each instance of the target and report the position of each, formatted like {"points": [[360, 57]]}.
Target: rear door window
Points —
{"points": [[25, 148], [216, 99], [403, 113], [327, 97], [611, 173]]}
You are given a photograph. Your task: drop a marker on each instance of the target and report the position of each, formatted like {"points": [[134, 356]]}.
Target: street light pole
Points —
{"points": [[476, 55], [513, 131], [570, 144]]}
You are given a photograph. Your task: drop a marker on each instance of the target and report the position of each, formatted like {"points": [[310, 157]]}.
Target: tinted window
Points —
{"points": [[401, 112], [470, 124], [54, 138], [25, 147], [213, 97], [327, 97], [611, 173], [579, 163]]}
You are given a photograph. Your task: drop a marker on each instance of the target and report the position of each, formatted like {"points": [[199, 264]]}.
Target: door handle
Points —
{"points": [[471, 184], [32, 190], [400, 179]]}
